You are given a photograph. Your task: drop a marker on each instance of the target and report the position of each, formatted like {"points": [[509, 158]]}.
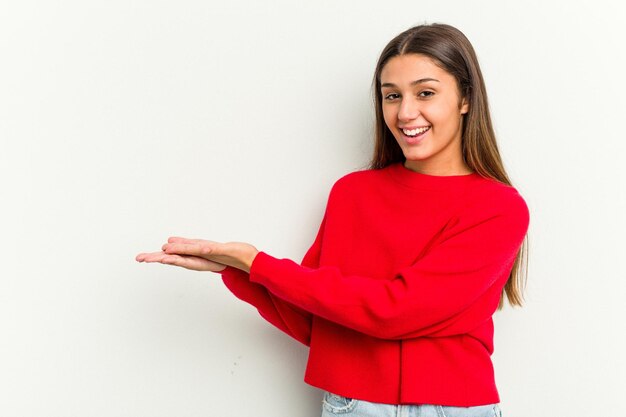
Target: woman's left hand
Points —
{"points": [[236, 254]]}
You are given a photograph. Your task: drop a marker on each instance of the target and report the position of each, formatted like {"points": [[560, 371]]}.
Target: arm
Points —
{"points": [[436, 295], [287, 317]]}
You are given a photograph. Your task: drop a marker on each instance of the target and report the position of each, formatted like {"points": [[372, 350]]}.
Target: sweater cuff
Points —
{"points": [[228, 270], [263, 266]]}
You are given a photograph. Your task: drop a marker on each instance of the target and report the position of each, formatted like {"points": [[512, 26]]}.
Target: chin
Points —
{"points": [[409, 156]]}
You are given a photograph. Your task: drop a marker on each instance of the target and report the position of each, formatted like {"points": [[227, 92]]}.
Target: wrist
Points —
{"points": [[250, 259]]}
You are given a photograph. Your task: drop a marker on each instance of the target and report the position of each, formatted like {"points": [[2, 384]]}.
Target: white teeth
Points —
{"points": [[415, 131]]}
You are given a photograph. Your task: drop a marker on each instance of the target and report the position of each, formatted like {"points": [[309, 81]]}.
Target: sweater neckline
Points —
{"points": [[414, 179]]}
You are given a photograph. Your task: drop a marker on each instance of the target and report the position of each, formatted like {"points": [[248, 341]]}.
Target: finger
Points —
{"points": [[164, 258], [192, 262], [177, 260], [194, 249], [142, 256], [177, 239], [153, 257]]}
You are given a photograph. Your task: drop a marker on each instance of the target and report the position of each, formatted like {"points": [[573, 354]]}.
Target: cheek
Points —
{"points": [[438, 116]]}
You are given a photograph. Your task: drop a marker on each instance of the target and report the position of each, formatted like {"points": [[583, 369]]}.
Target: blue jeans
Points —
{"points": [[335, 405]]}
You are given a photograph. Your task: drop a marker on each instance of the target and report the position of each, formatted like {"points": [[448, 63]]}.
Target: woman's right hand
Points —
{"points": [[194, 263]]}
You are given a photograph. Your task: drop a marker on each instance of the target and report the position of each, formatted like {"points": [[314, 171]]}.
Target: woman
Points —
{"points": [[413, 257]]}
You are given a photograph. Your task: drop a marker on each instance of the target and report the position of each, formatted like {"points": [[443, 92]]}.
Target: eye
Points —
{"points": [[426, 93], [391, 96]]}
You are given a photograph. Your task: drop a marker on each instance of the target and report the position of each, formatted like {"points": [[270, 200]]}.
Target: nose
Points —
{"points": [[409, 110]]}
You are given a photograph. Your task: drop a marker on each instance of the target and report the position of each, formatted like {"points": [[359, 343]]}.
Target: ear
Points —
{"points": [[464, 105]]}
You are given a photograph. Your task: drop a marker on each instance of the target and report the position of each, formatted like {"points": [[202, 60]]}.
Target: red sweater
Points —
{"points": [[396, 295]]}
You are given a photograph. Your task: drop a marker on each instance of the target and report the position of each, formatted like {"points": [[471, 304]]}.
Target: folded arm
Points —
{"points": [[436, 295]]}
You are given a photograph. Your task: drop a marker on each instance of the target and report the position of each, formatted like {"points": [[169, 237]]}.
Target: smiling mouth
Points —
{"points": [[415, 132]]}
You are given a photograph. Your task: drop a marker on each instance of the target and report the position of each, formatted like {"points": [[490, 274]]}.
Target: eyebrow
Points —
{"points": [[421, 80]]}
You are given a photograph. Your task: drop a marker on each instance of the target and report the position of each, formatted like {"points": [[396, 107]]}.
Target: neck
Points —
{"points": [[461, 169]]}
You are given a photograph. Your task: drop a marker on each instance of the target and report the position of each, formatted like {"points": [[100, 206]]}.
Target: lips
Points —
{"points": [[415, 130], [414, 136]]}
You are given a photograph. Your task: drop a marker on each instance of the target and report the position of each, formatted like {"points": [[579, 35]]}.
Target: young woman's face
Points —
{"points": [[422, 109]]}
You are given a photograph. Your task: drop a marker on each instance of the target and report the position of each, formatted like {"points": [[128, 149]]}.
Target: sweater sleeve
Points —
{"points": [[289, 318], [444, 291]]}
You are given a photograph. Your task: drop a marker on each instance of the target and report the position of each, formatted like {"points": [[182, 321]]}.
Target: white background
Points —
{"points": [[125, 122]]}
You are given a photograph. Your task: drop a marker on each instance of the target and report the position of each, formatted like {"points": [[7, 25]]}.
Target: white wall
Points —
{"points": [[125, 122]]}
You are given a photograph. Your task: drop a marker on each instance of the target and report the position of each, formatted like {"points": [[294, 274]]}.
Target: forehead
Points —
{"points": [[406, 68]]}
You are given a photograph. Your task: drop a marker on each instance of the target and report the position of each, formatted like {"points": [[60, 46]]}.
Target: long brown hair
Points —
{"points": [[453, 52]]}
